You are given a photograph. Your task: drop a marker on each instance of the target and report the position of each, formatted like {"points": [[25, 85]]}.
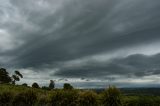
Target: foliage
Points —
{"points": [[64, 98], [6, 98], [18, 74], [18, 95], [16, 77], [4, 76], [45, 88], [43, 100], [112, 97], [88, 98], [26, 98], [25, 84], [51, 85], [144, 101], [141, 101], [67, 86], [35, 85]]}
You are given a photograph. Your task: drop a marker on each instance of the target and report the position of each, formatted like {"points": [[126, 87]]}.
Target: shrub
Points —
{"points": [[67, 86], [45, 88], [88, 99], [157, 101], [25, 85], [130, 101], [64, 98], [35, 85], [43, 100], [25, 98], [141, 101], [6, 98], [112, 97], [145, 101]]}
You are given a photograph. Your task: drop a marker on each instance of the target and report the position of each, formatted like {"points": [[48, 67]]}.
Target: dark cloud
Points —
{"points": [[46, 34], [92, 28], [134, 65]]}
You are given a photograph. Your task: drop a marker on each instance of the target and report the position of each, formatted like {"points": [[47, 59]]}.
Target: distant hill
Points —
{"points": [[135, 91]]}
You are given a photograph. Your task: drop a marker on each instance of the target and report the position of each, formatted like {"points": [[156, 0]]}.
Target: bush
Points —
{"points": [[45, 88], [112, 97], [145, 101], [25, 85], [67, 86], [25, 98], [43, 100], [35, 85], [64, 98], [88, 99], [141, 101], [6, 98], [130, 101]]}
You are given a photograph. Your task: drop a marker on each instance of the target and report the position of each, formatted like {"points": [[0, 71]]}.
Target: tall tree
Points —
{"points": [[16, 77], [4, 76]]}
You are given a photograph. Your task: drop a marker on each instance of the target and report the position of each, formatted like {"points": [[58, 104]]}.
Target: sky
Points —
{"points": [[88, 43]]}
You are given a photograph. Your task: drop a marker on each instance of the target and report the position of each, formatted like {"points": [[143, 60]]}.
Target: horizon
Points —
{"points": [[87, 43]]}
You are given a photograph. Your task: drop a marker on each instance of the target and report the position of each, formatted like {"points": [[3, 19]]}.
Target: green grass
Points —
{"points": [[14, 95]]}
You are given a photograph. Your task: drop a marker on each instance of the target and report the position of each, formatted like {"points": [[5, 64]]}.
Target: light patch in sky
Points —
{"points": [[6, 41]]}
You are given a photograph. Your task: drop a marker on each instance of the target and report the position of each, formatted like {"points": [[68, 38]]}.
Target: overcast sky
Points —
{"points": [[89, 43]]}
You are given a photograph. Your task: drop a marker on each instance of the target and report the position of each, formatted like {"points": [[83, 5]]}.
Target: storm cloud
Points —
{"points": [[90, 39]]}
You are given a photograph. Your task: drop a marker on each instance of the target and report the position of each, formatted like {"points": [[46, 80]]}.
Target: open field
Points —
{"points": [[16, 95]]}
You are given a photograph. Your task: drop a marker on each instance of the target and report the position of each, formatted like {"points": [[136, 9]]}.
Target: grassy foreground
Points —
{"points": [[11, 95]]}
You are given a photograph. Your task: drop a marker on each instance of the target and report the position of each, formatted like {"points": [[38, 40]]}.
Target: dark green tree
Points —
{"points": [[35, 85], [67, 86], [4, 76], [16, 77], [51, 85]]}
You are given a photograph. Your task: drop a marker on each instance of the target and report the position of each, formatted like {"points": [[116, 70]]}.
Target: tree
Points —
{"points": [[67, 86], [35, 85], [19, 74], [51, 85], [4, 76], [16, 77]]}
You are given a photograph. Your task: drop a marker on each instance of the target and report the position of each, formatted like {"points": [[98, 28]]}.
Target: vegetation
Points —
{"points": [[63, 98], [25, 84], [67, 86], [18, 95], [35, 85], [4, 76], [24, 98], [16, 77], [23, 95], [51, 85], [112, 97], [88, 98]]}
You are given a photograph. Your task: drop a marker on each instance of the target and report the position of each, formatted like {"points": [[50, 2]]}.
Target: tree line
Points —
{"points": [[5, 78]]}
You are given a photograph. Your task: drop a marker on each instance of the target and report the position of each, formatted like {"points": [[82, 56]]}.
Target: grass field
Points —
{"points": [[16, 95]]}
